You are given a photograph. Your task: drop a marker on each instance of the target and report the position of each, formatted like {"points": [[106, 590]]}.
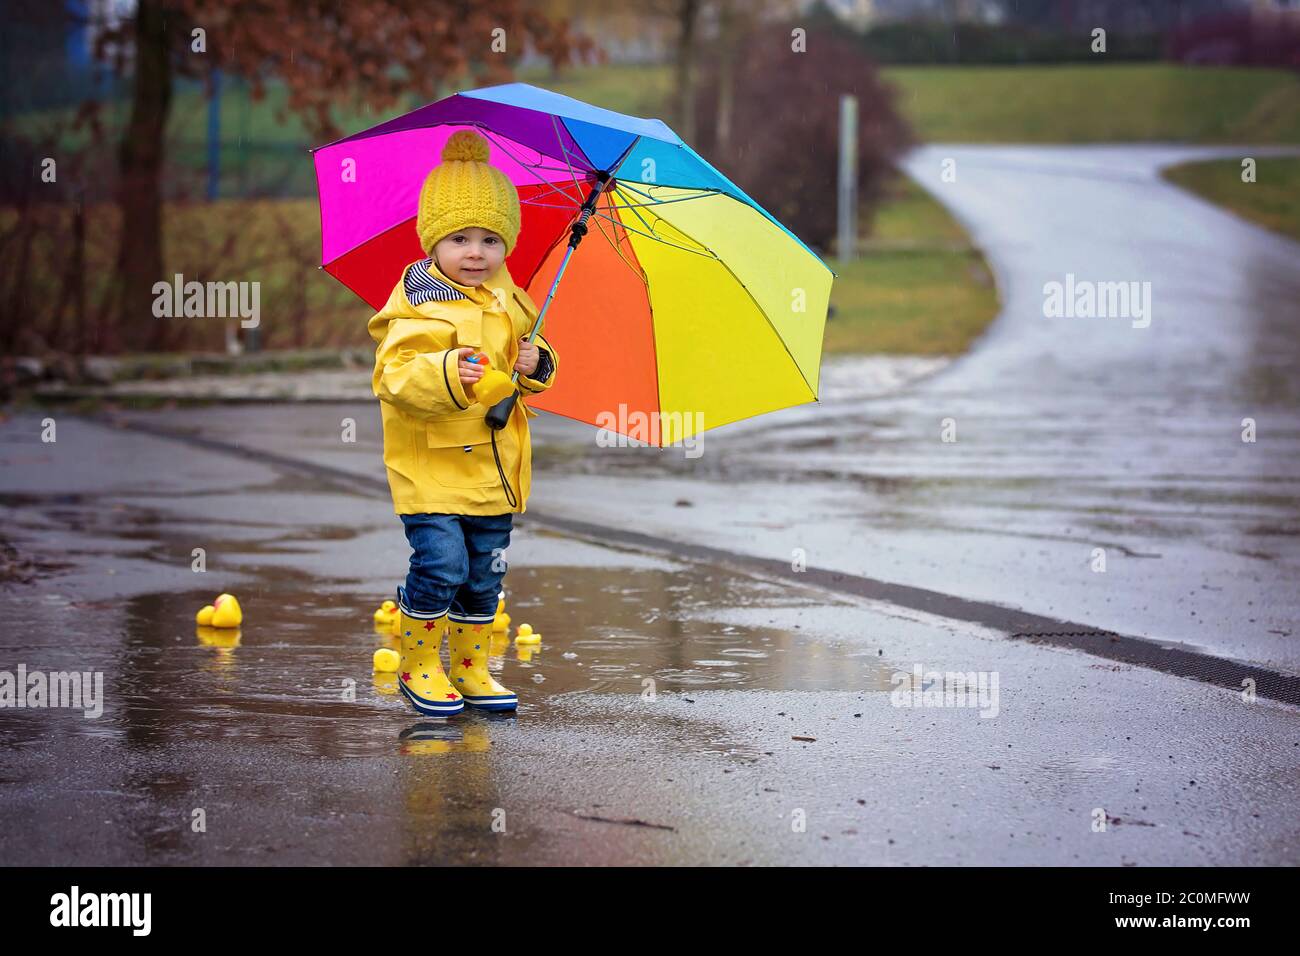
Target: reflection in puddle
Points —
{"points": [[436, 737]]}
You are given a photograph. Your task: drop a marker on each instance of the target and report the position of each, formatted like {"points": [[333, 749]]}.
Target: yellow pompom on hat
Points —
{"points": [[466, 190]]}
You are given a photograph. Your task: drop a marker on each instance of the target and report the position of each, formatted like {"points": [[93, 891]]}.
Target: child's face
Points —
{"points": [[470, 256]]}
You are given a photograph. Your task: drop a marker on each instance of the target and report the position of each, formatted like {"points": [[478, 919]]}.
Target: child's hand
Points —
{"points": [[526, 364], [470, 372]]}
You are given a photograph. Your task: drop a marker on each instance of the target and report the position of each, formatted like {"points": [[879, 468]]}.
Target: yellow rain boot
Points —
{"points": [[469, 642], [420, 676]]}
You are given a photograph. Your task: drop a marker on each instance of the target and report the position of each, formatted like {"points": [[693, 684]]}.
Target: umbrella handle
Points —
{"points": [[499, 413]]}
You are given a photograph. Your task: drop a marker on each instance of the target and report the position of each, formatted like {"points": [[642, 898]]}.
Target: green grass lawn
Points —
{"points": [[917, 288], [1272, 201], [1129, 102], [1124, 102], [1102, 103]]}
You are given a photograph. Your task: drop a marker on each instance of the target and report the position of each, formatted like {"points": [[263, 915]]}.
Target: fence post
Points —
{"points": [[847, 193], [214, 137]]}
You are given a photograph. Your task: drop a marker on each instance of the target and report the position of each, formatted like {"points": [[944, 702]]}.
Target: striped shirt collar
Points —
{"points": [[423, 282]]}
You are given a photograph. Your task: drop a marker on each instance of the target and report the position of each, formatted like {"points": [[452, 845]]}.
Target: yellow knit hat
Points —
{"points": [[466, 190]]}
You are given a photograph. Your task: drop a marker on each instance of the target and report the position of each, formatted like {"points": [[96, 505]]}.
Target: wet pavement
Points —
{"points": [[678, 712], [1071, 434], [768, 736]]}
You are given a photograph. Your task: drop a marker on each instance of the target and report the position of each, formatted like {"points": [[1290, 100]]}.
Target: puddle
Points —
{"points": [[298, 673], [285, 716]]}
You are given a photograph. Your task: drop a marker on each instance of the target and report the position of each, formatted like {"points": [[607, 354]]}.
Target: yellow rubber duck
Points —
{"points": [[494, 385], [226, 611], [386, 660], [223, 612], [501, 622], [386, 614], [525, 635]]}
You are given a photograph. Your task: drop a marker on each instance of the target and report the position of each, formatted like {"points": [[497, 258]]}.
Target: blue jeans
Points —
{"points": [[457, 562]]}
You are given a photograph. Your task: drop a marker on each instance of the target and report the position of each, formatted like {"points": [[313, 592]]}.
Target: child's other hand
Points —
{"points": [[470, 372], [526, 364]]}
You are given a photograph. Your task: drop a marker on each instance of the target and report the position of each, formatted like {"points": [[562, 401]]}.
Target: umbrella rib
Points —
{"points": [[618, 250], [614, 242], [640, 217], [701, 192], [640, 273], [618, 189], [624, 184], [780, 338], [529, 167], [710, 254], [650, 235], [542, 205], [761, 311], [664, 202], [565, 150], [551, 169], [621, 184], [495, 137]]}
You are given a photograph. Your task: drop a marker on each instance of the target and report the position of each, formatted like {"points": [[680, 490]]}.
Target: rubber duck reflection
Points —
{"points": [[224, 640]]}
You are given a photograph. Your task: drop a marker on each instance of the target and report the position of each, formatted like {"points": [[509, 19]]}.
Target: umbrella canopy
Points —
{"points": [[687, 297]]}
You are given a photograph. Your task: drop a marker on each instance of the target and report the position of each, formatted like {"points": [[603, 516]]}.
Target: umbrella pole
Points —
{"points": [[499, 413]]}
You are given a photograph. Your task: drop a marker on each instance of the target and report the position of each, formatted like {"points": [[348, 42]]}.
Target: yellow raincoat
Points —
{"points": [[437, 447]]}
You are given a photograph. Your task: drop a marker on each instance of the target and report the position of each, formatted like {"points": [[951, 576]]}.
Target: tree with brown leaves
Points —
{"points": [[328, 53]]}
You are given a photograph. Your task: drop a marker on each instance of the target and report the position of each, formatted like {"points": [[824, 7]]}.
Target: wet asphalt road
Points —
{"points": [[256, 731], [261, 733], [1072, 434]]}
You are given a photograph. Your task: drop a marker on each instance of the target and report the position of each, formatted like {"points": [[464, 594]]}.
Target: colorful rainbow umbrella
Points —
{"points": [[688, 307]]}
